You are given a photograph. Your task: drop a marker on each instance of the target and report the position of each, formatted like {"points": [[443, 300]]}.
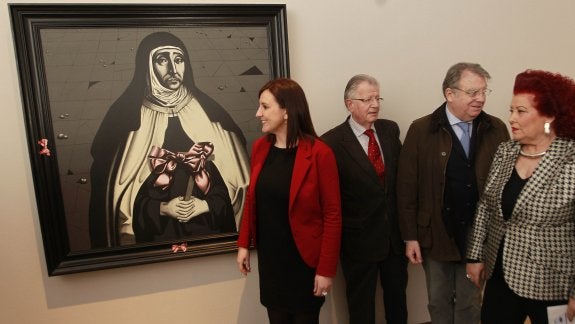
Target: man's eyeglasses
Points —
{"points": [[475, 92], [368, 100]]}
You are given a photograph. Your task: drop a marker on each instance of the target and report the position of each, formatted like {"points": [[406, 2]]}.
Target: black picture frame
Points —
{"points": [[60, 177]]}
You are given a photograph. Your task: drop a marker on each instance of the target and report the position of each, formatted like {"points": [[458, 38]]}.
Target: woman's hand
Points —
{"points": [[571, 309], [476, 273], [243, 261], [322, 285]]}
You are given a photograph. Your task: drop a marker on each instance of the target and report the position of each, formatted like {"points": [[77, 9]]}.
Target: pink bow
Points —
{"points": [[164, 162], [45, 150], [177, 247]]}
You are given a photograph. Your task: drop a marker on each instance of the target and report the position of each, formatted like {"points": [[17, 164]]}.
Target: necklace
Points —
{"points": [[534, 155]]}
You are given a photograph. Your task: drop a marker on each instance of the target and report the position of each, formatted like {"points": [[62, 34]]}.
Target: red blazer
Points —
{"points": [[314, 204]]}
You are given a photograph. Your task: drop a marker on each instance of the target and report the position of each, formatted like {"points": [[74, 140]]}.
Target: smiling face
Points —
{"points": [[169, 67], [463, 105], [364, 104], [525, 120], [272, 116]]}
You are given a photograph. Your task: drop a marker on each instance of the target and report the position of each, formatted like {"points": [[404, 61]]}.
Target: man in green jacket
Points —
{"points": [[443, 165]]}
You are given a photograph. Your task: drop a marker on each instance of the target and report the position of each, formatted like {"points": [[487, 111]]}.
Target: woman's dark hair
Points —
{"points": [[290, 96], [554, 96]]}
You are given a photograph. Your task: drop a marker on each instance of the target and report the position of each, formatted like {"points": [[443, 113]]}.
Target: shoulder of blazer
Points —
{"points": [[260, 149], [336, 133], [509, 146], [506, 151], [386, 123], [308, 148], [565, 145], [260, 144], [388, 127], [319, 145]]}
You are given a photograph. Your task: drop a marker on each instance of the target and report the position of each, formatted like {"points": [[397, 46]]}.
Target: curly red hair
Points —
{"points": [[554, 96]]}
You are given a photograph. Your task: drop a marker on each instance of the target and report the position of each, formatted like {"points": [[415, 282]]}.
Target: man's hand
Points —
{"points": [[413, 252]]}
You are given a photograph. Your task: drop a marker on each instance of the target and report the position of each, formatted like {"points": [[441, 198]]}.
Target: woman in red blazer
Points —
{"points": [[292, 212]]}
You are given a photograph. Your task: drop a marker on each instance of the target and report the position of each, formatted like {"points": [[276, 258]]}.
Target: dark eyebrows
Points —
{"points": [[166, 54], [160, 54]]}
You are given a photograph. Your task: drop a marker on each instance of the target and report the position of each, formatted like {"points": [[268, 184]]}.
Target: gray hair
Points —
{"points": [[454, 73], [355, 81]]}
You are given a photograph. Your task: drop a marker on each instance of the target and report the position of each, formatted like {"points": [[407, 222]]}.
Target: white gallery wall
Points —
{"points": [[406, 44]]}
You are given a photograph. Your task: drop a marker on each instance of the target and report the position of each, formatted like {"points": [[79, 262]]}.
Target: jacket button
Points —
{"points": [[443, 154]]}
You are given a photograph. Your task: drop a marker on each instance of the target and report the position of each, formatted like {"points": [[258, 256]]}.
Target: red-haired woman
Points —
{"points": [[523, 238], [293, 205]]}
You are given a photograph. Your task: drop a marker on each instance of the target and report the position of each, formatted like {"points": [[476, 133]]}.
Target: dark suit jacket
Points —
{"points": [[370, 229], [314, 204]]}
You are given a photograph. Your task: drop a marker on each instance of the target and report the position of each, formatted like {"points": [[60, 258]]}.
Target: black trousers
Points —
{"points": [[361, 281], [502, 305], [282, 317]]}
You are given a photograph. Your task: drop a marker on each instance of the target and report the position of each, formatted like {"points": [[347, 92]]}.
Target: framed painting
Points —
{"points": [[139, 120]]}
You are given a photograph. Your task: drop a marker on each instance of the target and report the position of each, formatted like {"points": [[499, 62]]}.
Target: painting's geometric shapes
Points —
{"points": [[252, 71]]}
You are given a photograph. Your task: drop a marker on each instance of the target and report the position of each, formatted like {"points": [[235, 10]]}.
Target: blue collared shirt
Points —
{"points": [[453, 121]]}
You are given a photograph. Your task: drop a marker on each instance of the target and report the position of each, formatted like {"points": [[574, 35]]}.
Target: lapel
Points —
{"points": [[507, 164], [545, 172], [300, 170], [386, 148], [351, 145]]}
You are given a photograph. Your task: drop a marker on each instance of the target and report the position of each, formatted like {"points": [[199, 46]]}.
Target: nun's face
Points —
{"points": [[169, 67]]}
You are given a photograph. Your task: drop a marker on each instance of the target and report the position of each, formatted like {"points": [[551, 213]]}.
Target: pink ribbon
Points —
{"points": [[45, 150], [179, 247], [165, 162]]}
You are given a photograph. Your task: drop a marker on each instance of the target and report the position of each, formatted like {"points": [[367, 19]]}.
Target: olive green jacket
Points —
{"points": [[421, 177]]}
